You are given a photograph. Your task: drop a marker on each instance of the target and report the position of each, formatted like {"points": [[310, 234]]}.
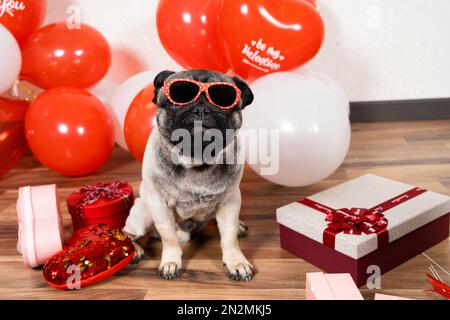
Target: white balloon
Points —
{"points": [[329, 81], [10, 60], [312, 124], [122, 98], [104, 90]]}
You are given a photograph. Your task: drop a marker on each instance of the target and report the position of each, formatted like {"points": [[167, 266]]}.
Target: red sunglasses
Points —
{"points": [[223, 95]]}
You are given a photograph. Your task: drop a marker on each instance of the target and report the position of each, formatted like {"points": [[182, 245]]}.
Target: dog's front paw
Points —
{"points": [[139, 255], [170, 270], [241, 271]]}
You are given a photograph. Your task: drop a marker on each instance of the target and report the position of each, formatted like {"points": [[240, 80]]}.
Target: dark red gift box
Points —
{"points": [[364, 223], [106, 203]]}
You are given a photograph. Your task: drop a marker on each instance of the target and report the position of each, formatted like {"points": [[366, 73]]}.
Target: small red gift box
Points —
{"points": [[106, 203], [366, 222]]}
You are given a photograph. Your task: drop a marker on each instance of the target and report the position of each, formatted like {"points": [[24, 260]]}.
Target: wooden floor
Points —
{"points": [[414, 152]]}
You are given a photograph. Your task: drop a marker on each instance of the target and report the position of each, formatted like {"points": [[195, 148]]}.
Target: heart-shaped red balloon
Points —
{"points": [[312, 2], [94, 254], [188, 31], [265, 36], [22, 17]]}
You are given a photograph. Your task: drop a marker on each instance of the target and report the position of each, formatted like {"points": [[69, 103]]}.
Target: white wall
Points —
{"points": [[376, 49], [387, 49]]}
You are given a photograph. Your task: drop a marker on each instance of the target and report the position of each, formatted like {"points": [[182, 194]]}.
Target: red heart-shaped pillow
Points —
{"points": [[94, 254]]}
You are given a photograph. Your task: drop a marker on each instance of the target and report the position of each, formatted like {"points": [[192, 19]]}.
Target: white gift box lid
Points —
{"points": [[365, 192]]}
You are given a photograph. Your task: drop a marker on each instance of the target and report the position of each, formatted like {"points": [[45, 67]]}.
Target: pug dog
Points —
{"points": [[182, 190]]}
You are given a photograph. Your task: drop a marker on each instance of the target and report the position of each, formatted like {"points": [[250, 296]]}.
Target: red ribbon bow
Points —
{"points": [[358, 220], [103, 190]]}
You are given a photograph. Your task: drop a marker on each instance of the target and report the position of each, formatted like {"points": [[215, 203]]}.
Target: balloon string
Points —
{"points": [[21, 86]]}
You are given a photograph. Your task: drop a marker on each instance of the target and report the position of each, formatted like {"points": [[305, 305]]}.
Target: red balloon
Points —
{"points": [[58, 56], [69, 131], [312, 2], [265, 36], [188, 32], [140, 121], [12, 136], [22, 17]]}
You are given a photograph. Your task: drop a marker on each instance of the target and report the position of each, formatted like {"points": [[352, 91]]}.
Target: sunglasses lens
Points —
{"points": [[183, 91], [222, 95]]}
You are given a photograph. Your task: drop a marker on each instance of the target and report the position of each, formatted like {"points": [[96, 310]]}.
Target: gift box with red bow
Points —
{"points": [[368, 221], [106, 203]]}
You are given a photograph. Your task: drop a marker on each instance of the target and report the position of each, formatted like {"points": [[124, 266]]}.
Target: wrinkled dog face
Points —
{"points": [[171, 117]]}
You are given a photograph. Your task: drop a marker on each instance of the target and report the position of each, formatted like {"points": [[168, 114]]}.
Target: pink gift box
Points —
{"points": [[40, 224], [379, 296], [338, 286]]}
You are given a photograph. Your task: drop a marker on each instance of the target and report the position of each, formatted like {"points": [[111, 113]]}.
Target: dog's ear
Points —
{"points": [[246, 93], [159, 82]]}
